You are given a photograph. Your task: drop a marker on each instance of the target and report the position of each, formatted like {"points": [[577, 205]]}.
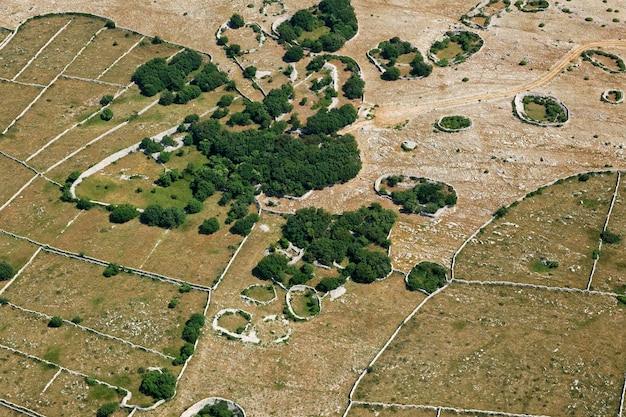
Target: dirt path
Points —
{"points": [[392, 114]]}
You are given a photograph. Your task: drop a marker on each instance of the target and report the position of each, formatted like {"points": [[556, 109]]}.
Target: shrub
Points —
{"points": [[184, 288], [293, 54], [226, 100], [109, 24], [173, 303], [4, 301], [209, 226], [55, 321], [123, 213], [501, 212], [106, 99], [111, 270], [249, 72], [106, 410], [330, 283], [236, 21], [6, 271], [158, 385], [106, 115], [192, 328], [77, 320], [193, 206], [610, 237]]}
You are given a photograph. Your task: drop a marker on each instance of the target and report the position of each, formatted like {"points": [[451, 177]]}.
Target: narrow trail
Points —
{"points": [[395, 113]]}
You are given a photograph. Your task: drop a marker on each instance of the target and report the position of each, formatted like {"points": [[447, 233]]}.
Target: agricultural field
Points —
{"points": [[151, 224]]}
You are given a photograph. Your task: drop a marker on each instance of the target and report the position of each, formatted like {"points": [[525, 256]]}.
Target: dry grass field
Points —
{"points": [[561, 225], [463, 349], [610, 274], [126, 306], [497, 161]]}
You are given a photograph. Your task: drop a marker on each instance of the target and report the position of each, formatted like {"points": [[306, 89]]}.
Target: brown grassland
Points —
{"points": [[33, 35], [610, 271], [463, 348], [60, 52], [64, 104], [468, 339], [563, 224], [126, 306], [359, 410], [77, 349], [15, 176], [14, 99], [102, 52]]}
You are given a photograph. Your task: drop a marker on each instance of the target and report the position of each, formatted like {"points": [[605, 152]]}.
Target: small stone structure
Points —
{"points": [[439, 126], [254, 300], [618, 93], [251, 337]]}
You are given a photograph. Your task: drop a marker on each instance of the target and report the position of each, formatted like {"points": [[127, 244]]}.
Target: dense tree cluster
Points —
{"points": [[353, 87], [282, 164], [337, 15], [167, 218], [209, 78], [157, 74], [427, 277], [392, 49], [193, 327], [328, 121], [123, 213], [159, 385], [328, 238]]}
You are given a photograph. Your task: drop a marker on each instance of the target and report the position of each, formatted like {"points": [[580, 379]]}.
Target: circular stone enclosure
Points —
{"points": [[532, 6], [303, 303], [426, 277], [455, 123], [613, 96], [416, 195], [259, 294], [273, 8], [256, 28], [235, 408], [455, 47], [540, 109], [234, 323], [607, 61]]}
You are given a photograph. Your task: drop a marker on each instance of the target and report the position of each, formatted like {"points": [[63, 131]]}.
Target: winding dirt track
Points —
{"points": [[391, 114]]}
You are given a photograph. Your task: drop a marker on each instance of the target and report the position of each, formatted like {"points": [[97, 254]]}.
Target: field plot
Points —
{"points": [[15, 98], [4, 32], [464, 350], [610, 273], [100, 54], [22, 379], [155, 120], [15, 251], [38, 212], [130, 307], [15, 176], [32, 36], [62, 105], [547, 239], [362, 410], [77, 349], [120, 73], [61, 51], [70, 395], [270, 66]]}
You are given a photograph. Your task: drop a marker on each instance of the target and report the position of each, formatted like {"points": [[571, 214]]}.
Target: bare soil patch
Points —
{"points": [[564, 363]]}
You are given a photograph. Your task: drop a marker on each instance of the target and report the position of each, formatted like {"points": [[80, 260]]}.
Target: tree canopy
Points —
{"points": [[158, 385], [6, 271]]}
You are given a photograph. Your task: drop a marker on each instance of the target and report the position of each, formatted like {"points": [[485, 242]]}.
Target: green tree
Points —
{"points": [[106, 410], [249, 72], [390, 74], [160, 385], [106, 100], [151, 215], [236, 21], [123, 213], [111, 270], [294, 54], [209, 226], [6, 271], [55, 321], [193, 206], [106, 115], [353, 87], [271, 267]]}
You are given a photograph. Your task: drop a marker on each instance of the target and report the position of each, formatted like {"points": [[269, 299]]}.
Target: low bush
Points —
{"points": [[426, 276]]}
